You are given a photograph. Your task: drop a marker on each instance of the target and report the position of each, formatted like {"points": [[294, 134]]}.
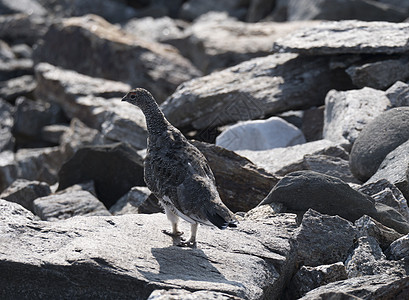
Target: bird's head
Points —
{"points": [[139, 97]]}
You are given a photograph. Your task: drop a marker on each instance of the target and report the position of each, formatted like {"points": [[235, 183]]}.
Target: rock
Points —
{"points": [[380, 74], [235, 176], [323, 239], [30, 7], [31, 116], [374, 287], [128, 255], [382, 135], [394, 168], [398, 94], [369, 227], [8, 169], [6, 125], [347, 113], [357, 9], [160, 30], [122, 57], [184, 294], [367, 258], [130, 202], [15, 87], [53, 133], [115, 169], [347, 37], [15, 68], [24, 192], [387, 193], [22, 27], [192, 9], [80, 97], [302, 190], [66, 205], [260, 86], [22, 50], [260, 135], [309, 278], [399, 249], [282, 161], [329, 165], [216, 41], [313, 123], [259, 9]]}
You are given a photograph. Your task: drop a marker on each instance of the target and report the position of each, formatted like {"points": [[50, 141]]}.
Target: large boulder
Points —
{"points": [[115, 169], [122, 57], [257, 87], [302, 190], [127, 257], [382, 135]]}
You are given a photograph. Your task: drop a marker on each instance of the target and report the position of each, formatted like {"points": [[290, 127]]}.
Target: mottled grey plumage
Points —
{"points": [[178, 173]]}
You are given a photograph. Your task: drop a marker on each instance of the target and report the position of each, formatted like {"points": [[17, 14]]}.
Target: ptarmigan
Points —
{"points": [[178, 173]]}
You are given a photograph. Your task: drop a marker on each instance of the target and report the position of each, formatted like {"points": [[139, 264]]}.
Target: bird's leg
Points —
{"points": [[192, 241], [174, 219]]}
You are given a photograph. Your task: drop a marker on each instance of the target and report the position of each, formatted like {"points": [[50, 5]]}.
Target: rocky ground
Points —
{"points": [[304, 122]]}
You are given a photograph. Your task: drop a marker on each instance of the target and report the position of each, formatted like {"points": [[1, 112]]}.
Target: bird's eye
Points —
{"points": [[133, 96]]}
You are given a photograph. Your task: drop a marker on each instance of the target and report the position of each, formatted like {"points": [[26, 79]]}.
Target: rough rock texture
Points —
{"points": [[15, 87], [6, 124], [122, 57], [115, 169], [382, 135], [241, 184], [347, 113], [65, 205], [249, 90], [299, 191], [398, 94], [131, 201], [308, 278], [347, 37], [186, 295], [394, 168], [260, 135], [370, 287], [285, 160], [119, 266], [380, 74], [323, 239], [399, 249], [24, 192]]}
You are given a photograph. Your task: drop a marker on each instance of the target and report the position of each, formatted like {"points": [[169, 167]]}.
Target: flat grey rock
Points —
{"points": [[398, 94], [345, 37], [127, 257]]}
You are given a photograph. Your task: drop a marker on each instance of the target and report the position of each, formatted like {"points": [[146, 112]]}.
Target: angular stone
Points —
{"points": [[15, 68], [22, 27], [387, 193], [260, 135], [309, 278], [8, 169], [302, 190], [285, 160], [15, 87], [323, 239], [313, 123], [384, 236], [399, 249], [346, 37], [394, 168], [69, 89], [122, 57], [235, 175], [260, 86], [398, 94], [185, 295], [195, 8], [6, 125], [114, 168], [347, 113], [329, 165], [62, 206], [374, 287], [382, 135], [53, 133], [380, 74], [24, 192], [128, 255], [130, 202]]}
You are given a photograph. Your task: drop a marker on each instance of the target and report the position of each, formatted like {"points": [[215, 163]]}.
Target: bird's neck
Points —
{"points": [[155, 119]]}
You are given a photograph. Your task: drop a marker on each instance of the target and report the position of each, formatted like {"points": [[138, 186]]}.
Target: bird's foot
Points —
{"points": [[173, 234], [189, 243]]}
